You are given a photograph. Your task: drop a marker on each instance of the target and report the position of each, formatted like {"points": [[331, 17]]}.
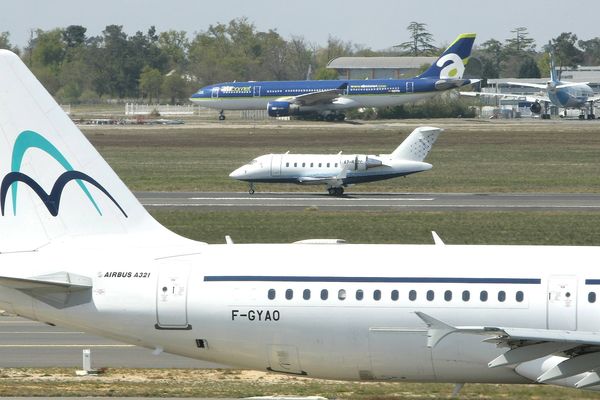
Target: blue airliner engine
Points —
{"points": [[282, 109]]}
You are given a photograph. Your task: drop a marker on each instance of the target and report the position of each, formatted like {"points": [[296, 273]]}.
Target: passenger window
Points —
{"points": [[466, 295], [501, 296], [519, 296], [448, 295], [324, 294], [395, 295], [377, 295], [306, 294], [483, 296], [341, 294], [359, 294], [289, 294], [430, 295], [271, 294], [319, 165], [287, 164], [327, 165], [592, 297], [312, 164], [412, 295], [303, 165], [336, 165], [295, 164]]}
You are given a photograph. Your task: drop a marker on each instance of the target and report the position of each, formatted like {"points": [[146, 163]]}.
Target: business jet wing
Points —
{"points": [[581, 349], [337, 180], [531, 85], [515, 96], [319, 97]]}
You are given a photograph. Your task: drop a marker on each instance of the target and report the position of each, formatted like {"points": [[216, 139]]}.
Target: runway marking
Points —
{"points": [[309, 199], [64, 345], [499, 206], [41, 333]]}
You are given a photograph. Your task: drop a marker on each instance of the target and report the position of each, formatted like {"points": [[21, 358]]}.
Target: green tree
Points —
{"points": [[566, 54], [420, 43], [521, 43], [174, 87], [174, 44], [492, 56], [150, 83], [591, 51], [5, 42], [529, 69]]}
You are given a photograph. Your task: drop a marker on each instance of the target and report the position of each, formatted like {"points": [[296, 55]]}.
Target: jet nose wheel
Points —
{"points": [[251, 188], [335, 191]]}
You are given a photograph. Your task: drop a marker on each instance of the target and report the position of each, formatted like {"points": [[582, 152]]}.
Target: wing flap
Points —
{"points": [[320, 97]]}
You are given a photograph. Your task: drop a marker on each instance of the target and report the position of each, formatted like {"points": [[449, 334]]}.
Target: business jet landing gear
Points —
{"points": [[335, 191], [221, 116], [251, 188]]}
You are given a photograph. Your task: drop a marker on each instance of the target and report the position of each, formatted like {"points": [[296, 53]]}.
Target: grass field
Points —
{"points": [[481, 156]]}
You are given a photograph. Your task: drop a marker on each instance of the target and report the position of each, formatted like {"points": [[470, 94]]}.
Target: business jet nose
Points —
{"points": [[238, 173]]}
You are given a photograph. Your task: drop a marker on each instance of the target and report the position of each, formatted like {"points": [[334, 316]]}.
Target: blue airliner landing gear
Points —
{"points": [[335, 191], [591, 114], [221, 116], [251, 188]]}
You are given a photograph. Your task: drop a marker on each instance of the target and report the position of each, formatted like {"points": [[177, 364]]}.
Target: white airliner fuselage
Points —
{"points": [[286, 309]]}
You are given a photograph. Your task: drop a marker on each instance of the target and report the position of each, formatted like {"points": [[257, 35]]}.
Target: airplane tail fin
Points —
{"points": [[452, 62], [53, 183], [553, 74], [418, 144]]}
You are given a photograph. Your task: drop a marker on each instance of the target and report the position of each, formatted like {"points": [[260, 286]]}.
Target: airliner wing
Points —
{"points": [[578, 348], [531, 85], [319, 97], [336, 180], [515, 96]]}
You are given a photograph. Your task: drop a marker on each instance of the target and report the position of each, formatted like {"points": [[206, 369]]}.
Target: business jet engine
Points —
{"points": [[360, 162], [536, 108], [282, 109]]}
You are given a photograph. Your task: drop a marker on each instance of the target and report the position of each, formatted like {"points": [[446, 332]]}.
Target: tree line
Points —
{"points": [[169, 66]]}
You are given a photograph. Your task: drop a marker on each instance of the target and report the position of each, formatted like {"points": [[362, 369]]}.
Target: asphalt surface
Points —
{"points": [[25, 343], [370, 201]]}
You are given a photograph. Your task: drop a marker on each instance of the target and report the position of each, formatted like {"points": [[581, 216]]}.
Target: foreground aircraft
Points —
{"points": [[78, 250], [329, 99], [566, 95], [340, 170]]}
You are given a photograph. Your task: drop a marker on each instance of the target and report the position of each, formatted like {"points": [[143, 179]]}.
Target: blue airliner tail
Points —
{"points": [[452, 62], [553, 75]]}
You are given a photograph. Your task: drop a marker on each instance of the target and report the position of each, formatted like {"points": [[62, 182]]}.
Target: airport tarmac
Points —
{"points": [[371, 201], [25, 343]]}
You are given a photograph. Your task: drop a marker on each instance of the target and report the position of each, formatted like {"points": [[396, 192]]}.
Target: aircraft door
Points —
{"points": [[171, 298], [256, 91], [562, 303], [276, 165], [214, 93], [410, 87]]}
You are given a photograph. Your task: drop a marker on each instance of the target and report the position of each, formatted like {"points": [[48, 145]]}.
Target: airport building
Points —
{"points": [[379, 67]]}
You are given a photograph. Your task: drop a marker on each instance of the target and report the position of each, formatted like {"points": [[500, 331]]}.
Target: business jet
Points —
{"points": [[329, 98], [78, 250], [565, 95], [337, 171]]}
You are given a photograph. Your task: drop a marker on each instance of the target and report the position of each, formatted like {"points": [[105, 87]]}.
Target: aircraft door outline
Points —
{"points": [[214, 93], [171, 299], [256, 92], [562, 303], [276, 165], [410, 87]]}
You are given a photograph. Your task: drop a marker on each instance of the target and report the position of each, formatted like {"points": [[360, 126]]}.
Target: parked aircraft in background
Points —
{"points": [[88, 256], [566, 95], [340, 170], [330, 98]]}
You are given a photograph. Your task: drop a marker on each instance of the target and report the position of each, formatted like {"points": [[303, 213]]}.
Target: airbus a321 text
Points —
{"points": [[78, 250], [337, 171]]}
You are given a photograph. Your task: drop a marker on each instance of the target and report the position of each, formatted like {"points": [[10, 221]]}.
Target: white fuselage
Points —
{"points": [[334, 169], [264, 306]]}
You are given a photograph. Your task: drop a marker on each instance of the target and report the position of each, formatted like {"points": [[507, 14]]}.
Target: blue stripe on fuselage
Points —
{"points": [[296, 88], [370, 279]]}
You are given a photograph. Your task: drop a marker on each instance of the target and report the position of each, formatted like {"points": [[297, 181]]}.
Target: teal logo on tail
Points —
{"points": [[30, 139]]}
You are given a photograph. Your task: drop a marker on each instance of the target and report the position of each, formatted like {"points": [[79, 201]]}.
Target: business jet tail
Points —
{"points": [[53, 183], [452, 62], [418, 144]]}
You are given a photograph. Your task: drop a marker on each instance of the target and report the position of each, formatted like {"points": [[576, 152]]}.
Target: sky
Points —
{"points": [[376, 24]]}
